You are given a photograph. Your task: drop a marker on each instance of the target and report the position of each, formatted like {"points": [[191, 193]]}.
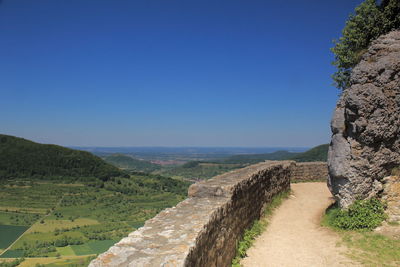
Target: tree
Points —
{"points": [[369, 22]]}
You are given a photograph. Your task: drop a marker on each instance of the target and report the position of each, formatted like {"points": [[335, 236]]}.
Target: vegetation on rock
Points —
{"points": [[361, 215], [369, 21]]}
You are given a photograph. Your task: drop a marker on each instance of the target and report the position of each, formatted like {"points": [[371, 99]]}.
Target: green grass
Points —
{"points": [[80, 250], [9, 233], [79, 262], [66, 251], [361, 215], [93, 247], [257, 228], [14, 218], [13, 254], [101, 246], [354, 225], [371, 249]]}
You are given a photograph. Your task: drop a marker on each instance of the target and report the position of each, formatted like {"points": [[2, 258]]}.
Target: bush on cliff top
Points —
{"points": [[361, 215], [369, 22]]}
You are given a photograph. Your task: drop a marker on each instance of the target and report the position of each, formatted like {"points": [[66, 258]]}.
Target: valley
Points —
{"points": [[63, 207]]}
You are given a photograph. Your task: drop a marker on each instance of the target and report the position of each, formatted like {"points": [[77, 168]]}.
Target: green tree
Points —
{"points": [[369, 21]]}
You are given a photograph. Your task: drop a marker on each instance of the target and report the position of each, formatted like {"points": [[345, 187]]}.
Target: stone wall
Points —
{"points": [[203, 229], [310, 171]]}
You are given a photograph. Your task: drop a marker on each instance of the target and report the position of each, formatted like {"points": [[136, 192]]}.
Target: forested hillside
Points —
{"points": [[23, 158], [127, 162], [318, 153]]}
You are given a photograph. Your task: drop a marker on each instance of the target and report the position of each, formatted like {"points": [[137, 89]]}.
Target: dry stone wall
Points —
{"points": [[203, 229], [310, 171]]}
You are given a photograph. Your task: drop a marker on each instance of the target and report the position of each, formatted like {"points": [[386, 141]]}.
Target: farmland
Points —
{"points": [[62, 222]]}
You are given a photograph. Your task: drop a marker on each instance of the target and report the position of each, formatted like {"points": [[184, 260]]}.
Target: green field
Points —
{"points": [[78, 219], [92, 247], [13, 254], [9, 233]]}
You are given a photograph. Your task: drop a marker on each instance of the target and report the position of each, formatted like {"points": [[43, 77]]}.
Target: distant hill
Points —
{"points": [[21, 158], [255, 158], [127, 162], [318, 153]]}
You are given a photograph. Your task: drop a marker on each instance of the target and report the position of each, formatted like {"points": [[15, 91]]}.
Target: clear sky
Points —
{"points": [[169, 73]]}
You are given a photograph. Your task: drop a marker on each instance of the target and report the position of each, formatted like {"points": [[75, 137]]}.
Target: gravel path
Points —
{"points": [[294, 236]]}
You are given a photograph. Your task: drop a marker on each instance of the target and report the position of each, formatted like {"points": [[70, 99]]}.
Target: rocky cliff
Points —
{"points": [[365, 143]]}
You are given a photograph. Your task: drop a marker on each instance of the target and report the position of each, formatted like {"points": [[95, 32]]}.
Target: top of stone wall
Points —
{"points": [[312, 163], [224, 184], [168, 238]]}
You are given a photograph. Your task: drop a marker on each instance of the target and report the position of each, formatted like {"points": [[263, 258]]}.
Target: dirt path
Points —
{"points": [[294, 236]]}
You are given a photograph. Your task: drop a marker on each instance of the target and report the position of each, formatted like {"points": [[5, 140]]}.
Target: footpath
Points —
{"points": [[295, 237]]}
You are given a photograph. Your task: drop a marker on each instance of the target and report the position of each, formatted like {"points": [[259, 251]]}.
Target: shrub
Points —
{"points": [[361, 215], [369, 22]]}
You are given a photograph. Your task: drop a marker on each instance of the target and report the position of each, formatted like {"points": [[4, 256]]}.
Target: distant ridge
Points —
{"points": [[21, 158], [127, 162], [318, 153]]}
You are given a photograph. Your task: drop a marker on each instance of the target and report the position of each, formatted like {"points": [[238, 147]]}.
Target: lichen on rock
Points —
{"points": [[365, 126]]}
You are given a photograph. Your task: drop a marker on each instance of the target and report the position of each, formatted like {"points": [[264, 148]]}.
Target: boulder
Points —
{"points": [[365, 144]]}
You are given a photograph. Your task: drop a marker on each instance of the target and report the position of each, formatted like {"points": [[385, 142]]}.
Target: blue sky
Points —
{"points": [[169, 73]]}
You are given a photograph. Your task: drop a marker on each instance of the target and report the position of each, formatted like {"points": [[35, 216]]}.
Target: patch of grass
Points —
{"points": [[257, 228], [9, 233], [66, 251], [100, 246], [66, 261], [80, 250], [17, 253], [14, 218], [354, 226], [372, 249], [361, 215], [52, 225]]}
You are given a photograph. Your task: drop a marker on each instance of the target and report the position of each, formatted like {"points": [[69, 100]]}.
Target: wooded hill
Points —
{"points": [[23, 158]]}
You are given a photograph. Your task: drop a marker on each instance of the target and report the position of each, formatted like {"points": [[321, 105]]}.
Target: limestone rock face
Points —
{"points": [[365, 144]]}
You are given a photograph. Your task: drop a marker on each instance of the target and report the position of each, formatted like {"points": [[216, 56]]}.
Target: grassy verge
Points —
{"points": [[257, 228], [372, 249], [355, 228]]}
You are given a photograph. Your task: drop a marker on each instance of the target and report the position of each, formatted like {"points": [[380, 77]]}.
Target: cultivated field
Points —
{"points": [[62, 223]]}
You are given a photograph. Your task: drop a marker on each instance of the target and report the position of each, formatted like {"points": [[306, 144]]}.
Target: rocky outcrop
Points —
{"points": [[365, 144], [203, 230]]}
